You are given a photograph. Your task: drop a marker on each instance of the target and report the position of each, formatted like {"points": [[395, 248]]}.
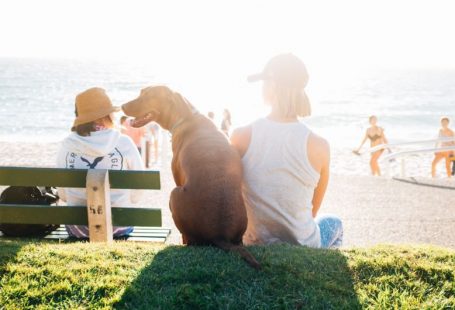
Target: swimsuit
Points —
{"points": [[449, 143], [375, 137]]}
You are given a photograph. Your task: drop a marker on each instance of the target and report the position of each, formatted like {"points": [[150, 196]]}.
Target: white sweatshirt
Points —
{"points": [[105, 149]]}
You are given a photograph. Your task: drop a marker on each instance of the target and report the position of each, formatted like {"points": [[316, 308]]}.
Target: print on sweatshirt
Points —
{"points": [[112, 161]]}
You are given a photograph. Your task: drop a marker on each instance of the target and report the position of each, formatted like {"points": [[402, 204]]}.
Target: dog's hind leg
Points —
{"points": [[178, 210]]}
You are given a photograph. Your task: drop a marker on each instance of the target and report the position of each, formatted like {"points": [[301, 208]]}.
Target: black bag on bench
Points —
{"points": [[29, 196]]}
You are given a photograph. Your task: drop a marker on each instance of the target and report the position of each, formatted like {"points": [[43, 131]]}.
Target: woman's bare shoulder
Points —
{"points": [[318, 152], [241, 138], [318, 143]]}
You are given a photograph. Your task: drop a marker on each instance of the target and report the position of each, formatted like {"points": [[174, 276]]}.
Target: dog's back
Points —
{"points": [[211, 173], [207, 205]]}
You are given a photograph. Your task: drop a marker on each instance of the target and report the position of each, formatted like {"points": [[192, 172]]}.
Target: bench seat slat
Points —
{"points": [[39, 214], [57, 177], [148, 234], [152, 234], [160, 230], [137, 229], [142, 239], [136, 239]]}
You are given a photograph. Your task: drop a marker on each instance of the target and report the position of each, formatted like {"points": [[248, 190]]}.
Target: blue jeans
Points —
{"points": [[331, 229], [80, 231]]}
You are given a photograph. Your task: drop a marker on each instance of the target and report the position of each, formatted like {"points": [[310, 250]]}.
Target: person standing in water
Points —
{"points": [[211, 116], [376, 136], [226, 123], [286, 165], [136, 134], [444, 132], [153, 133]]}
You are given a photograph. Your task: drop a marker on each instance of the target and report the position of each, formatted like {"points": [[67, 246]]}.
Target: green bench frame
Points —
{"points": [[141, 218]]}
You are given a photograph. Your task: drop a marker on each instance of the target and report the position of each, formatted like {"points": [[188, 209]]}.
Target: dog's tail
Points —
{"points": [[240, 249]]}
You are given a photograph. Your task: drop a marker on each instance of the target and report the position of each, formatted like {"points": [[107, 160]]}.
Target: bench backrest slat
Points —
{"points": [[19, 176], [39, 214]]}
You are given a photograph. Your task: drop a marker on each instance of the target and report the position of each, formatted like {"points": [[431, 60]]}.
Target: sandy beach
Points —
{"points": [[373, 210]]}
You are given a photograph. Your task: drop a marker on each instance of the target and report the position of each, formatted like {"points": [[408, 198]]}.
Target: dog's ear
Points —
{"points": [[192, 107], [183, 103]]}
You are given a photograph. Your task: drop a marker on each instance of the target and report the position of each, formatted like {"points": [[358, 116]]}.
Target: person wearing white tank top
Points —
{"points": [[286, 166]]}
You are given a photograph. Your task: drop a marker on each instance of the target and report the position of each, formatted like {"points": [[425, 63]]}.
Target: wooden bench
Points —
{"points": [[98, 214]]}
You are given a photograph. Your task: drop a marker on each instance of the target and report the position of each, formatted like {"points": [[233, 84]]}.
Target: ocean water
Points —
{"points": [[37, 101]]}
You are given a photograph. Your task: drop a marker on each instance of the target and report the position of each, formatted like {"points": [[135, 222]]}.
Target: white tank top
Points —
{"points": [[279, 185]]}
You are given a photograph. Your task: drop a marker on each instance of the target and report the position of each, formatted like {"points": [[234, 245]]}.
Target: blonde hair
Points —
{"points": [[291, 102]]}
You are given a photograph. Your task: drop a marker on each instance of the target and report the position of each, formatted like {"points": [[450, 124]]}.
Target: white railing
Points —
{"points": [[404, 154], [393, 145]]}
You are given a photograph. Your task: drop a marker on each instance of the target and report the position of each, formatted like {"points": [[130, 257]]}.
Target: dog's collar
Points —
{"points": [[181, 121]]}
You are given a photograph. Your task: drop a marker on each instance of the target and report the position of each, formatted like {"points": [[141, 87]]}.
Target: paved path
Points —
{"points": [[379, 210]]}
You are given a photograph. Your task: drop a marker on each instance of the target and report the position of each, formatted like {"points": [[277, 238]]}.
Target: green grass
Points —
{"points": [[47, 275]]}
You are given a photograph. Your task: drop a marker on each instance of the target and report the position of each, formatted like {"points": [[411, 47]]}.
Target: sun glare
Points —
{"points": [[207, 48]]}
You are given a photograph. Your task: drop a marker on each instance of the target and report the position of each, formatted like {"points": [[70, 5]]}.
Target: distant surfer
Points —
{"points": [[377, 137], [444, 132]]}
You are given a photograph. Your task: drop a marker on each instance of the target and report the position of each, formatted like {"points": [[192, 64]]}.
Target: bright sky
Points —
{"points": [[226, 34], [207, 40]]}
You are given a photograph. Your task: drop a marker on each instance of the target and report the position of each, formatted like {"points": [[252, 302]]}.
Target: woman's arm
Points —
{"points": [[363, 141], [319, 156], [385, 140], [320, 190]]}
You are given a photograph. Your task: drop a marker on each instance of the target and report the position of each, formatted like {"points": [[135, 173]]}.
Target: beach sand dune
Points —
{"points": [[374, 210]]}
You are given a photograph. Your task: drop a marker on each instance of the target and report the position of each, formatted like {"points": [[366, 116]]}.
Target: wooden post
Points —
{"points": [[142, 152], [99, 206], [147, 153], [165, 146]]}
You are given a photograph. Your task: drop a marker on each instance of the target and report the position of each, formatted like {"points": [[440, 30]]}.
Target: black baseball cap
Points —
{"points": [[285, 69]]}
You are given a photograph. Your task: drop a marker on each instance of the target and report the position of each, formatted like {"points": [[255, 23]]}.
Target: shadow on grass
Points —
{"points": [[9, 248], [205, 277]]}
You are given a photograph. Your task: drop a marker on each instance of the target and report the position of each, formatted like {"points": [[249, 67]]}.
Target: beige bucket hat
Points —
{"points": [[91, 105]]}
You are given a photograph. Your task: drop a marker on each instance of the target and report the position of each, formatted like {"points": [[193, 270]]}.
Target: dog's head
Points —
{"points": [[159, 104]]}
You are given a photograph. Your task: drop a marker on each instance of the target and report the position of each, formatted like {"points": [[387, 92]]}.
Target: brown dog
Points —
{"points": [[207, 204]]}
